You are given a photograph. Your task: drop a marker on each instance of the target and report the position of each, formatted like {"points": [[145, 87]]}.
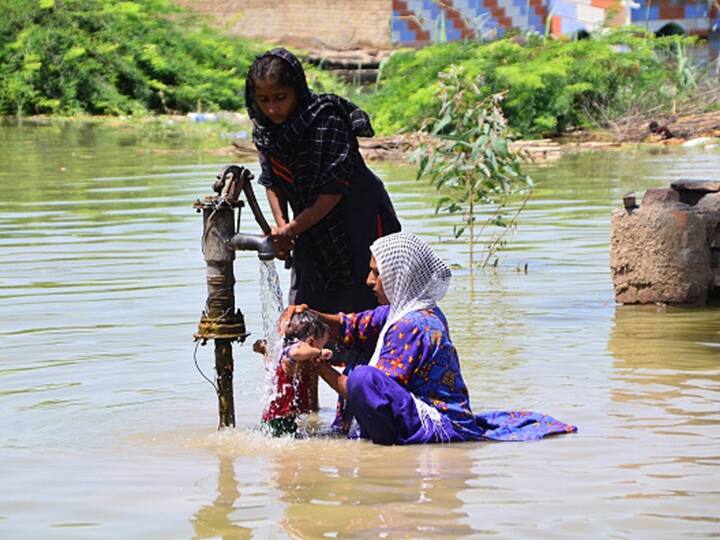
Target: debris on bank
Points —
{"points": [[358, 66], [692, 130], [676, 129]]}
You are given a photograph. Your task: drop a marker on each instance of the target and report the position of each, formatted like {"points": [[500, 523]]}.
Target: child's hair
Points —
{"points": [[305, 325], [270, 68]]}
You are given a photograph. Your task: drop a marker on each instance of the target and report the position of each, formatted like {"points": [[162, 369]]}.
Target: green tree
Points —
{"points": [[466, 155]]}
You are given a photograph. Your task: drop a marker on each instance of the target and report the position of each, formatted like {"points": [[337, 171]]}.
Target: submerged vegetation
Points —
{"points": [[552, 85]]}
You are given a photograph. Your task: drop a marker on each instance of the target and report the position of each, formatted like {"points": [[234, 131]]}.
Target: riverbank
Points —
{"points": [[230, 134], [691, 130]]}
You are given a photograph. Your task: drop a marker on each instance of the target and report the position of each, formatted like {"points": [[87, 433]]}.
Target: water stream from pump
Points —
{"points": [[272, 307]]}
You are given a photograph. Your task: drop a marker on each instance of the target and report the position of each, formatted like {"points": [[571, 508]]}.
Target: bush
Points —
{"points": [[551, 85], [115, 57]]}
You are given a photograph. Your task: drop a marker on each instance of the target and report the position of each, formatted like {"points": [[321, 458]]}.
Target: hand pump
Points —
{"points": [[220, 321]]}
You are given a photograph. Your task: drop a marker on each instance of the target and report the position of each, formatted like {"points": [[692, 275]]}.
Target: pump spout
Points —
{"points": [[253, 242]]}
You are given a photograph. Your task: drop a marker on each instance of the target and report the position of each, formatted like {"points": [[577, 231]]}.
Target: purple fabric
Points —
{"points": [[387, 414], [417, 354], [520, 425], [418, 360]]}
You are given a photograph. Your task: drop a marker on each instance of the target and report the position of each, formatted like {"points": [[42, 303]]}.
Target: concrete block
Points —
{"points": [[659, 254]]}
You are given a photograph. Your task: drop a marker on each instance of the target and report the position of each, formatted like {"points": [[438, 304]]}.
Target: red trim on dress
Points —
{"points": [[280, 166], [283, 176], [282, 171]]}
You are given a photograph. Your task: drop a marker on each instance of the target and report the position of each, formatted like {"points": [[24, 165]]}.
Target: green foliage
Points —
{"points": [[115, 57], [405, 94], [552, 85], [466, 155]]}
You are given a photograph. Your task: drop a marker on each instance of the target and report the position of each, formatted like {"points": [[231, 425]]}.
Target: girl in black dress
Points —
{"points": [[310, 162]]}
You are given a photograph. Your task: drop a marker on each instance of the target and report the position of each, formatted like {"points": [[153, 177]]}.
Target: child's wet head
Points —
{"points": [[306, 325]]}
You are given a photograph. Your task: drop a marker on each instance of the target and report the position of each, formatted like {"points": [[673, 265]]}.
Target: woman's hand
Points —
{"points": [[284, 319], [283, 240], [284, 234]]}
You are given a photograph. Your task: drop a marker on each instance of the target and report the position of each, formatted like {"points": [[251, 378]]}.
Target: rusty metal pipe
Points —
{"points": [[253, 242], [220, 321]]}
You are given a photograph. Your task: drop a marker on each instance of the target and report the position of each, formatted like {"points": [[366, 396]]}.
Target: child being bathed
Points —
{"points": [[305, 339]]}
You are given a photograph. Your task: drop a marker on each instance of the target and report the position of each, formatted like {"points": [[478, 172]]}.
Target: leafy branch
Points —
{"points": [[465, 153]]}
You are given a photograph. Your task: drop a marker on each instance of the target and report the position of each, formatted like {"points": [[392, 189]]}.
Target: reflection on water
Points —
{"points": [[109, 432], [666, 364], [215, 520], [665, 339], [665, 378], [341, 489], [399, 493]]}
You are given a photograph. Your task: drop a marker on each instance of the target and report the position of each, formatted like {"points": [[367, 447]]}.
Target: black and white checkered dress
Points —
{"points": [[316, 152]]}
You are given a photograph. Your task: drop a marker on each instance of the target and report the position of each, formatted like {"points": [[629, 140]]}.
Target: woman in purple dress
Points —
{"points": [[412, 391]]}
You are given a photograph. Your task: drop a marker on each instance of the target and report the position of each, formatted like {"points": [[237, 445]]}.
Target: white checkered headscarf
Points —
{"points": [[413, 277]]}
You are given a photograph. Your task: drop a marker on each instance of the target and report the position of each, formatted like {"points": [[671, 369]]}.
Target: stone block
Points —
{"points": [[709, 203], [659, 254], [709, 208], [661, 196], [691, 191]]}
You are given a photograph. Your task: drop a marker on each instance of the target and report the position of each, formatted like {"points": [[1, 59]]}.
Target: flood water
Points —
{"points": [[108, 430]]}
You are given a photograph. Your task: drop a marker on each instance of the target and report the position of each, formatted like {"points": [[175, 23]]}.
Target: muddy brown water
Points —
{"points": [[108, 431]]}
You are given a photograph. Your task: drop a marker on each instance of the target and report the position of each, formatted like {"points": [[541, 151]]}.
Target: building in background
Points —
{"points": [[382, 24], [419, 22]]}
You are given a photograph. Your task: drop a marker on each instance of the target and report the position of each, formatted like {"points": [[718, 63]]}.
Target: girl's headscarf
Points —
{"points": [[282, 139], [413, 277]]}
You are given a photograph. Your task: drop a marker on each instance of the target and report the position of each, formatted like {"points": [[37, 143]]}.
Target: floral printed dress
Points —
{"points": [[418, 364]]}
